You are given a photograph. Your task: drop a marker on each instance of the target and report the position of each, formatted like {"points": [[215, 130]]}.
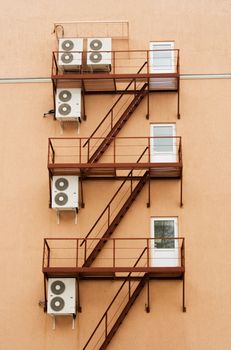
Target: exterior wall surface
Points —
{"points": [[201, 30]]}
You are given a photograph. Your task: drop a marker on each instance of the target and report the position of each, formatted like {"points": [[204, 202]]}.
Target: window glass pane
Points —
{"points": [[163, 144], [162, 60], [163, 230]]}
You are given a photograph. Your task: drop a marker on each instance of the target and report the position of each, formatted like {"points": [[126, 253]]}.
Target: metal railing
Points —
{"points": [[113, 310], [64, 151], [116, 110], [119, 253], [125, 62], [114, 205]]}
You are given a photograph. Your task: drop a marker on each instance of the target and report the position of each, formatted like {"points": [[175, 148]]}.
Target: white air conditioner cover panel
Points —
{"points": [[70, 53], [61, 294], [68, 104], [65, 192], [96, 55]]}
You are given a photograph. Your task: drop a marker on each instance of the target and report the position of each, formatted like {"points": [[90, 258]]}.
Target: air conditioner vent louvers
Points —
{"points": [[70, 54], [57, 287], [61, 296], [96, 44], [57, 304], [64, 109], [65, 95], [67, 45], [65, 192], [95, 57], [61, 198], [67, 57], [61, 184], [68, 104], [99, 57]]}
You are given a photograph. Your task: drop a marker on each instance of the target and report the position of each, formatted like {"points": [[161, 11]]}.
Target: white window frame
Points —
{"points": [[160, 156], [164, 257], [154, 55]]}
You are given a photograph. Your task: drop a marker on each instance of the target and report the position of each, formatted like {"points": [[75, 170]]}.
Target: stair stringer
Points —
{"points": [[124, 312], [111, 228], [118, 125]]}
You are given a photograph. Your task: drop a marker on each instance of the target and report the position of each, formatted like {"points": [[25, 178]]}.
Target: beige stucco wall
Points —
{"points": [[201, 30]]}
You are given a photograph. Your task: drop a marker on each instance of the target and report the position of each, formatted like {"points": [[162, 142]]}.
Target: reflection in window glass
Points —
{"points": [[164, 229]]}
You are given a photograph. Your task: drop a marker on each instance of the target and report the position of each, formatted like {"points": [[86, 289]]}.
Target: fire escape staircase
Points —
{"points": [[132, 295], [118, 217], [115, 129], [108, 320]]}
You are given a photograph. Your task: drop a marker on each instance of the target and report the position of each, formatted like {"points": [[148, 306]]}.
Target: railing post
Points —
{"points": [[113, 252], [85, 250], [77, 252], [148, 251], [178, 85], [113, 56], [80, 151], [114, 148], [149, 191], [81, 192], [50, 191], [149, 151], [44, 252], [181, 188], [148, 104], [147, 61]]}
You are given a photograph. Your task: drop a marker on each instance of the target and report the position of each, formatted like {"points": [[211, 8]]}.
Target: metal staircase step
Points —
{"points": [[118, 126], [92, 256], [124, 313]]}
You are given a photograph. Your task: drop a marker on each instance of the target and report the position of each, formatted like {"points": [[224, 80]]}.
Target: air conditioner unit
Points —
{"points": [[99, 54], [61, 296], [68, 104], [70, 53], [162, 60], [65, 192]]}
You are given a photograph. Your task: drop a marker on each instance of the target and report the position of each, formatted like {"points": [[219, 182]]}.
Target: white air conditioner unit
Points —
{"points": [[70, 53], [61, 296], [65, 192], [99, 55], [162, 60], [68, 104]]}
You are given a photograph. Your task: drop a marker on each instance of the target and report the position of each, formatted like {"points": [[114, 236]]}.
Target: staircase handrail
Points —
{"points": [[111, 303], [114, 196], [111, 109]]}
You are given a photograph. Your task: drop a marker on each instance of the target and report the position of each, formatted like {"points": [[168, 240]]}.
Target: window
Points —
{"points": [[163, 143], [162, 57], [164, 242]]}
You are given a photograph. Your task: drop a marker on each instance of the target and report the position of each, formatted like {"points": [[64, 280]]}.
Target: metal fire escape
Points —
{"points": [[104, 158]]}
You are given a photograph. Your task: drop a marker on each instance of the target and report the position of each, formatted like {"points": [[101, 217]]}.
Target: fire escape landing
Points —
{"points": [[133, 260]]}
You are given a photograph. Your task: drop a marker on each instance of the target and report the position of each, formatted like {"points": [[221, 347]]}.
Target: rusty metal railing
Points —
{"points": [[119, 253], [64, 151], [125, 62]]}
